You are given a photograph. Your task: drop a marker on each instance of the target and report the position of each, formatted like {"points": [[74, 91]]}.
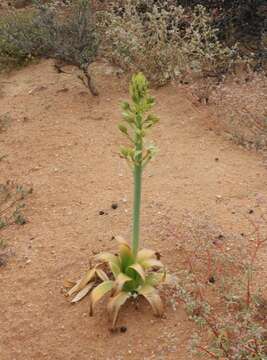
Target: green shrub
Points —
{"points": [[165, 42], [20, 39], [72, 39]]}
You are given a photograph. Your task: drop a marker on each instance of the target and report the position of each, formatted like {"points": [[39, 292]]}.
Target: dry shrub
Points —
{"points": [[163, 41], [219, 289], [240, 107], [43, 32]]}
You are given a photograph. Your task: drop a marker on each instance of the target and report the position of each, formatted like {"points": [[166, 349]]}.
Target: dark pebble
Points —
{"points": [[251, 211], [101, 212], [211, 279], [114, 206], [216, 159], [3, 261], [123, 329]]}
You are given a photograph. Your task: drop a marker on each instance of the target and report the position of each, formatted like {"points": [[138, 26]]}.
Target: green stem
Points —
{"points": [[136, 208], [137, 187]]}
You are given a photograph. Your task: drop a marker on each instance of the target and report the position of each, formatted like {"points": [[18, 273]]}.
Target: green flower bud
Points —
{"points": [[123, 129]]}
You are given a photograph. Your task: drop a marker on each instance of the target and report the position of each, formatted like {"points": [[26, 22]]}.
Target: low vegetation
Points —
{"points": [[12, 204], [12, 198], [180, 44], [43, 33], [219, 291]]}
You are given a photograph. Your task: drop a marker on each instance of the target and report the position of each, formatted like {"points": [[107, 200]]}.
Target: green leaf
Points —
{"points": [[140, 271], [98, 292], [125, 106], [125, 254], [120, 281]]}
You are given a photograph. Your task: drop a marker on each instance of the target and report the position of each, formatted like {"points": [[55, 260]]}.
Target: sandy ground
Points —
{"points": [[65, 143]]}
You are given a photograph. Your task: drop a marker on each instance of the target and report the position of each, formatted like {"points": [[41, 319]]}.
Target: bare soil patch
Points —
{"points": [[64, 143]]}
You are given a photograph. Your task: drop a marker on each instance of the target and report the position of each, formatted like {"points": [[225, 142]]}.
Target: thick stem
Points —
{"points": [[90, 83], [136, 208], [137, 186]]}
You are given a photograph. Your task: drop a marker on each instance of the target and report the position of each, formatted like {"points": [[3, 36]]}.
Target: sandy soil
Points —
{"points": [[64, 143]]}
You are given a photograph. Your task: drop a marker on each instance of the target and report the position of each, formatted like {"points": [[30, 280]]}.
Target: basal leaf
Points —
{"points": [[68, 284], [115, 269], [125, 254], [115, 304], [151, 263], [145, 254], [89, 276], [120, 281], [83, 292], [98, 292], [106, 257], [140, 271], [102, 275], [154, 279], [152, 296]]}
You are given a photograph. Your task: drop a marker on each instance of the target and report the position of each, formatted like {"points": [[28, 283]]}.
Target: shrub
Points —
{"points": [[163, 41], [12, 198], [219, 292], [44, 33], [240, 109], [20, 39]]}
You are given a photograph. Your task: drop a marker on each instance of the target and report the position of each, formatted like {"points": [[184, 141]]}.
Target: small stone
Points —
{"points": [[28, 262], [101, 212], [123, 329], [37, 89], [3, 260], [251, 211], [114, 206], [63, 90], [212, 279], [216, 159]]}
